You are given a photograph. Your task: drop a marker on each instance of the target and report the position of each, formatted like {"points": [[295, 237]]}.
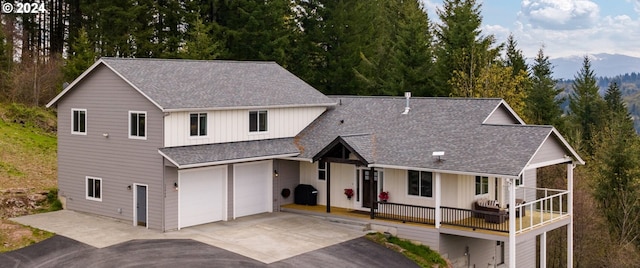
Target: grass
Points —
{"points": [[28, 148], [420, 254]]}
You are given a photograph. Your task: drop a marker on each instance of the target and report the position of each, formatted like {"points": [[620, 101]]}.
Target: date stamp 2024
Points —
{"points": [[23, 8]]}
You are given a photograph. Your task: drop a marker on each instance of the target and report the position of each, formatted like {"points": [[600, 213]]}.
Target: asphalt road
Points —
{"points": [[60, 251]]}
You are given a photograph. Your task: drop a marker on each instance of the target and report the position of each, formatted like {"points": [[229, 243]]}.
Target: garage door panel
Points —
{"points": [[252, 188], [202, 196]]}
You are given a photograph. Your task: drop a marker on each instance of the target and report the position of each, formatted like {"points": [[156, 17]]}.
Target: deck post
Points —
{"points": [[372, 197], [328, 166], [512, 223], [543, 250], [438, 216], [570, 211]]}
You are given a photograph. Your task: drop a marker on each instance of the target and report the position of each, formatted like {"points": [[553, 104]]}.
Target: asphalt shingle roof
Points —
{"points": [[193, 84], [433, 124], [211, 153]]}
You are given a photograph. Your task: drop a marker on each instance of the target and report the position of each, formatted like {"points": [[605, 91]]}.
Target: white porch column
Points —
{"points": [[543, 250], [570, 211], [438, 218], [512, 223]]}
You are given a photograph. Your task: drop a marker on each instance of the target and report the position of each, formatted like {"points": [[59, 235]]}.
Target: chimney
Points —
{"points": [[407, 95]]}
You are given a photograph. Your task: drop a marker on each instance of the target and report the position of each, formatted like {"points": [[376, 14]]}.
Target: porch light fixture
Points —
{"points": [[175, 185], [275, 173], [129, 187], [106, 135], [438, 154]]}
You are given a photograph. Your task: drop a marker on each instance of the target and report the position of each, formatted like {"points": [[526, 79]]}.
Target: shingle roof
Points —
{"points": [[433, 124], [193, 84], [209, 154]]}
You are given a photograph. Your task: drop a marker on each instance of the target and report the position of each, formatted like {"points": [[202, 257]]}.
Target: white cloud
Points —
{"points": [[560, 14]]}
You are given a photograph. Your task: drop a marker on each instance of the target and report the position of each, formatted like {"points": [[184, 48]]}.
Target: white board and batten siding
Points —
{"points": [[233, 125], [118, 160]]}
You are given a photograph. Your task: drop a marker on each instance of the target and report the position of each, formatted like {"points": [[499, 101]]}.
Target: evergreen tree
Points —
{"points": [[617, 110], [586, 105], [83, 57], [542, 106], [461, 48], [200, 45], [515, 58]]}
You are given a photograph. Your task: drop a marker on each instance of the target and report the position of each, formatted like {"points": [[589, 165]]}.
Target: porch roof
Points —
{"points": [[452, 125], [231, 152]]}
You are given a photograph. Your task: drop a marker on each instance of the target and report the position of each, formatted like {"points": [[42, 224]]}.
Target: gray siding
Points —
{"points": [[426, 236], [171, 198], [526, 254], [481, 253], [118, 160], [288, 177], [501, 116], [550, 150]]}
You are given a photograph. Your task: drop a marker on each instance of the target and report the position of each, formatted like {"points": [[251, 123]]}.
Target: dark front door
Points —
{"points": [[367, 182], [141, 205]]}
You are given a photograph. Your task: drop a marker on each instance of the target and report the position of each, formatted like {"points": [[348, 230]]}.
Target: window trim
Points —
{"points": [[73, 123], [482, 185], [86, 188], [146, 120], [206, 125], [419, 195], [266, 124], [321, 170]]}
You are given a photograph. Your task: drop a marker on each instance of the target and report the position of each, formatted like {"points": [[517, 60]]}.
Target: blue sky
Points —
{"points": [[564, 27]]}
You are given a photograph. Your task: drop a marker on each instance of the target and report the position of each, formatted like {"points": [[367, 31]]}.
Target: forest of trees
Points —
{"points": [[375, 47]]}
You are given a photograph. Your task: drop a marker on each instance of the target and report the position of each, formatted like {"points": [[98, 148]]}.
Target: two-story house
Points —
{"points": [[169, 144]]}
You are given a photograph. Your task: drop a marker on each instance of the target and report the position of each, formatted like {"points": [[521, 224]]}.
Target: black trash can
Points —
{"points": [[305, 194]]}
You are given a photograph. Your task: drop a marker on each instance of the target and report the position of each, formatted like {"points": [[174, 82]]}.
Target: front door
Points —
{"points": [[367, 182], [141, 205]]}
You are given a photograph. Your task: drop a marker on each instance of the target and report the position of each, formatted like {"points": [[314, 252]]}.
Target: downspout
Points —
{"points": [[372, 192], [328, 166]]}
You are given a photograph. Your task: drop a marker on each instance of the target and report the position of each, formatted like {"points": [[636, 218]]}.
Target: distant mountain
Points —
{"points": [[609, 65]]}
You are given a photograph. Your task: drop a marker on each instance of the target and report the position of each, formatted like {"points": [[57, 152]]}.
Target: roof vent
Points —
{"points": [[407, 95]]}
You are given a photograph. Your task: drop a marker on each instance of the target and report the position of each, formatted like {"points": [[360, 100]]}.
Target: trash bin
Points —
{"points": [[305, 194]]}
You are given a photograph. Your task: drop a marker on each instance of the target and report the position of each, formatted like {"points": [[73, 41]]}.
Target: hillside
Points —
{"points": [[27, 171], [603, 64]]}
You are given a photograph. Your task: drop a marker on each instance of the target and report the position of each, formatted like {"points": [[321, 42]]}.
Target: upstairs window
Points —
{"points": [[137, 125], [94, 189], [79, 121], [198, 125], [482, 185], [420, 183], [257, 121]]}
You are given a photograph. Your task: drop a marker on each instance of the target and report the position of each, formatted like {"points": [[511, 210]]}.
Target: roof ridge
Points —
{"points": [[402, 97], [188, 60]]}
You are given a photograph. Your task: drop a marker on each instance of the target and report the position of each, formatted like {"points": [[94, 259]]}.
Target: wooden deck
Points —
{"points": [[532, 219]]}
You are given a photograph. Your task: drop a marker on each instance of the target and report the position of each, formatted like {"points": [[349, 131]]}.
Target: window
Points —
{"points": [[520, 180], [198, 124], [257, 121], [94, 188], [420, 183], [322, 170], [500, 252], [482, 185], [79, 121], [138, 125]]}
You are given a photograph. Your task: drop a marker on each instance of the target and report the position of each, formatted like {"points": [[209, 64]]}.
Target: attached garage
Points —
{"points": [[202, 195], [252, 188]]}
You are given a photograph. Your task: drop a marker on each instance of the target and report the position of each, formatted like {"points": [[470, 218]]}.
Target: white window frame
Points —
{"points": [[419, 195], [321, 169], [482, 185], [73, 123], [86, 188], [146, 123], [266, 118], [206, 130]]}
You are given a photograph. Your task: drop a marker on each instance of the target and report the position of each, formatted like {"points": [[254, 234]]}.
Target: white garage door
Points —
{"points": [[252, 188], [202, 196]]}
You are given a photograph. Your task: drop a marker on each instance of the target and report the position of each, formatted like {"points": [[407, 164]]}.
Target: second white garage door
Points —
{"points": [[252, 188], [202, 196]]}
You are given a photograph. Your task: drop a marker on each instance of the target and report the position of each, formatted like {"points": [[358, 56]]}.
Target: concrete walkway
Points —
{"points": [[266, 237]]}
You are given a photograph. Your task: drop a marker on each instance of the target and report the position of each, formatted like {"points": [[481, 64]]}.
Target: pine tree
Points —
{"points": [[617, 111], [83, 57], [515, 58], [586, 105], [542, 105], [461, 49], [200, 45]]}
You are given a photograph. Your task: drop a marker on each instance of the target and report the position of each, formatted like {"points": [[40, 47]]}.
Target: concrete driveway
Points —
{"points": [[273, 240]]}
